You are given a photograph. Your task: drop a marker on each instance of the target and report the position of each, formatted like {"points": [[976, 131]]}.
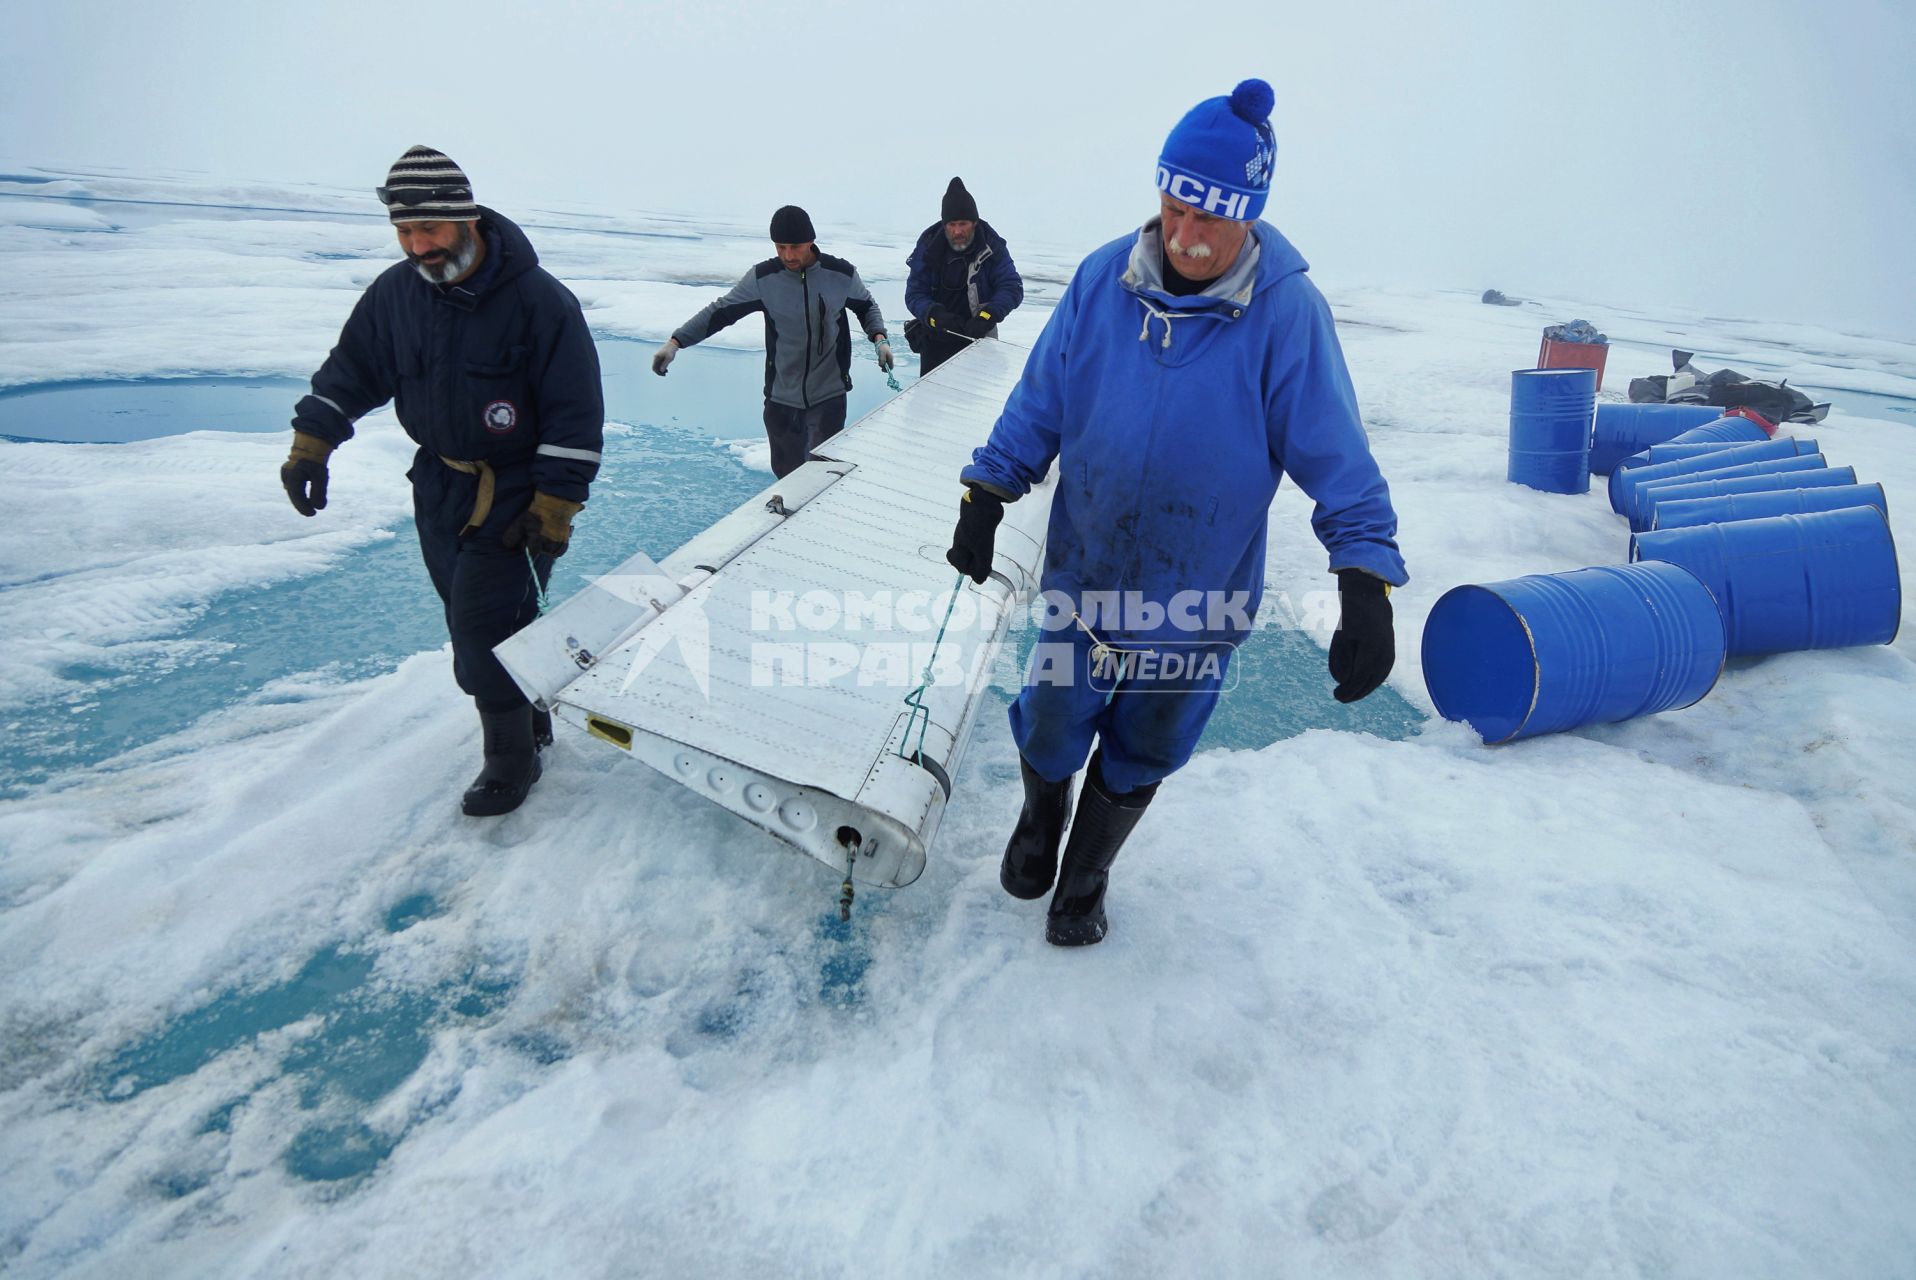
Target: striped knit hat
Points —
{"points": [[424, 185]]}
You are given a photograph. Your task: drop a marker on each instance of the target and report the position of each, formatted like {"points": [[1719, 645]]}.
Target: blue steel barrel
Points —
{"points": [[1550, 415], [1672, 451], [1624, 429], [1553, 651], [1644, 498], [1818, 581], [1623, 479], [1730, 429], [1687, 512], [1759, 482]]}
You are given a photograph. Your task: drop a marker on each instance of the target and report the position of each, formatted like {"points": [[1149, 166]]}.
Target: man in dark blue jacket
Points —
{"points": [[495, 376], [960, 283]]}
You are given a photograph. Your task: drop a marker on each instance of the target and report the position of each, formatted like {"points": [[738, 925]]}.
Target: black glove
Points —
{"points": [[544, 528], [304, 473], [979, 325], [1365, 647], [944, 320], [978, 517]]}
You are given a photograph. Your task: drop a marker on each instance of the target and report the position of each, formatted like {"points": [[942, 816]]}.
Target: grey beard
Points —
{"points": [[456, 264]]}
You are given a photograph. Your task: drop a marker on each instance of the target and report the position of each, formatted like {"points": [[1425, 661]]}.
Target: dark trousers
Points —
{"points": [[794, 433], [489, 592], [938, 349], [1146, 728]]}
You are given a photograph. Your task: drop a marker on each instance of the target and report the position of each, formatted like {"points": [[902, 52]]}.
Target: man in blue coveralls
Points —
{"points": [[1189, 366]]}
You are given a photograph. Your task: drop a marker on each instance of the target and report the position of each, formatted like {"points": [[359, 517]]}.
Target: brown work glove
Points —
{"points": [[304, 473], [546, 526]]}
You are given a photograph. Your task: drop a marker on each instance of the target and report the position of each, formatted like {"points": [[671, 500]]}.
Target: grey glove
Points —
{"points": [[663, 356], [885, 361]]}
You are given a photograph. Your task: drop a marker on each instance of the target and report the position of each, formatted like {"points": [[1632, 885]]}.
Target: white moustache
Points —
{"points": [[1195, 251]]}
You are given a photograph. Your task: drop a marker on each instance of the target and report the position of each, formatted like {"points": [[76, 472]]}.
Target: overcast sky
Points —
{"points": [[1754, 159]]}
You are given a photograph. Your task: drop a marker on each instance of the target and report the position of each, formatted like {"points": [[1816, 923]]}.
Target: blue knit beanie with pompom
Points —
{"points": [[1220, 155]]}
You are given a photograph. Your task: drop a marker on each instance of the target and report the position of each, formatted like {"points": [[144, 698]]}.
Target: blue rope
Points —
{"points": [[545, 602], [920, 714]]}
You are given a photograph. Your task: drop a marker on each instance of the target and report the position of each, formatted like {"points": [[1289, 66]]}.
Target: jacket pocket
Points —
{"points": [[496, 398], [505, 365]]}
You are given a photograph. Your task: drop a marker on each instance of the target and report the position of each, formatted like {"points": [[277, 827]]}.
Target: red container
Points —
{"points": [[1573, 355]]}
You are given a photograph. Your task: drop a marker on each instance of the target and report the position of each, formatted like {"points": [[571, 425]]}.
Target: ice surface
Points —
{"points": [[1635, 1000]]}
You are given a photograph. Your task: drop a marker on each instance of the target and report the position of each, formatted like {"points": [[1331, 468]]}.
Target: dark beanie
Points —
{"points": [[424, 185], [792, 225], [958, 206]]}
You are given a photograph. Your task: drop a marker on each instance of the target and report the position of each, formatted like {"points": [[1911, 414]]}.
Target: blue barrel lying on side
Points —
{"points": [[1644, 498], [1818, 581], [1671, 452], [1687, 512], [1622, 480], [1553, 651], [1550, 415], [1732, 428], [1722, 433], [1758, 482], [1624, 429]]}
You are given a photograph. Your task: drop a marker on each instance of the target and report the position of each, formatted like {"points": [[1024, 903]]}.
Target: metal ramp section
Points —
{"points": [[766, 665]]}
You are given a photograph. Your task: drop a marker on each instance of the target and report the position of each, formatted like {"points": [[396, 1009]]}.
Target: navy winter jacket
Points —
{"points": [[982, 278], [504, 373]]}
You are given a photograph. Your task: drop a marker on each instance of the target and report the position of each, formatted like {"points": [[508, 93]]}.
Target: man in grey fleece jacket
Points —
{"points": [[808, 347]]}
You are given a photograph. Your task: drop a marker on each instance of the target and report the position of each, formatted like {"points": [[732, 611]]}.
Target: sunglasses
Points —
{"points": [[410, 196]]}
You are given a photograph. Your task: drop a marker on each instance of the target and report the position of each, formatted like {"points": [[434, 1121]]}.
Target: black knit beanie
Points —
{"points": [[792, 225], [958, 206]]}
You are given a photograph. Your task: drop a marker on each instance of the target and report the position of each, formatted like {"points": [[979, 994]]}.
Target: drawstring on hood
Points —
{"points": [[1223, 299], [1152, 312]]}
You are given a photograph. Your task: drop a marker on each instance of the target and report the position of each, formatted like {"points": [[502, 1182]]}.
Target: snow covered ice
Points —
{"points": [[1635, 1000]]}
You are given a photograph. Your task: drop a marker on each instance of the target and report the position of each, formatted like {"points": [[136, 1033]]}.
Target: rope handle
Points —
{"points": [[920, 714]]}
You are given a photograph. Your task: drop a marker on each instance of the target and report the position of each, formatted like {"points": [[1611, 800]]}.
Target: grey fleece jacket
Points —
{"points": [[808, 347]]}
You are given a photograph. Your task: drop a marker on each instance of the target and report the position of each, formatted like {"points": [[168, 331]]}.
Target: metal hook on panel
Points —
{"points": [[850, 840]]}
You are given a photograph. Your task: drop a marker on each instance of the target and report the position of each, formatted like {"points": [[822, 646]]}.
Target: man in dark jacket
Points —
{"points": [[495, 376], [961, 282], [803, 295]]}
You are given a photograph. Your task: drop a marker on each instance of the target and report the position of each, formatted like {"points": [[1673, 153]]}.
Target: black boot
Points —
{"points": [[1031, 857], [512, 764], [541, 728], [1104, 821]]}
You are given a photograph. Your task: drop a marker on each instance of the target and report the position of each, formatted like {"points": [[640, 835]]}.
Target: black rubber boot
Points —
{"points": [[541, 728], [1031, 856], [1104, 821], [512, 764]]}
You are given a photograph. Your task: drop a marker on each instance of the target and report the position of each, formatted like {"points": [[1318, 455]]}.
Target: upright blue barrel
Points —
{"points": [[1622, 480], [1624, 429], [1553, 651], [1817, 581], [1686, 512], [1644, 497], [1550, 416], [1759, 482], [1729, 429]]}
